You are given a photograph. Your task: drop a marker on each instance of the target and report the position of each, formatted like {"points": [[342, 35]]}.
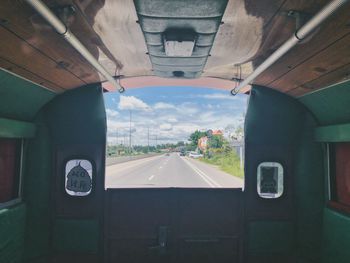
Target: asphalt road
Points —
{"points": [[168, 171]]}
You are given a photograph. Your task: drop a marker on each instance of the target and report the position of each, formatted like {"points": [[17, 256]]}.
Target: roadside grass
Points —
{"points": [[227, 162]]}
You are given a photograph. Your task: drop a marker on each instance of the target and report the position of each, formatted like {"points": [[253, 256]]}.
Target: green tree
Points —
{"points": [[194, 137], [180, 143], [216, 141]]}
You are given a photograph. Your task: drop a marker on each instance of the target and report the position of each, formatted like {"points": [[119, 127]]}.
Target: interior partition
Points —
{"points": [[173, 225], [77, 124], [288, 227]]}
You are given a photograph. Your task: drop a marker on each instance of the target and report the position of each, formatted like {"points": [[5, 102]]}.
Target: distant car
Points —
{"points": [[183, 153], [167, 154], [195, 155]]}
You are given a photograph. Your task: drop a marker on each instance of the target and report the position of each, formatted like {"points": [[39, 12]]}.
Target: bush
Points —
{"points": [[228, 161]]}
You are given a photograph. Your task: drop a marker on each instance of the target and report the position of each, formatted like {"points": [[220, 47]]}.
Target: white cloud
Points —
{"points": [[111, 113], [217, 96], [165, 127], [186, 128], [172, 120], [132, 103], [188, 108], [118, 125], [208, 116], [163, 106]]}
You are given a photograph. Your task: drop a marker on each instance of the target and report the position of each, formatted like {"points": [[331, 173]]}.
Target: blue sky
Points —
{"points": [[171, 113]]}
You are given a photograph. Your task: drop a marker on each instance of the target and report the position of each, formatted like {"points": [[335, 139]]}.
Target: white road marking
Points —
{"points": [[160, 167], [151, 177], [205, 177]]}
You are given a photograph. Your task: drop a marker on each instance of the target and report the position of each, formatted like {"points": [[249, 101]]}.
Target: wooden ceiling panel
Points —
{"points": [[109, 30], [279, 29], [325, 62], [336, 28], [7, 65], [282, 27], [22, 54], [19, 18], [338, 75]]}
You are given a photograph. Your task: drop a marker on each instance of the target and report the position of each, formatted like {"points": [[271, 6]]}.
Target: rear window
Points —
{"points": [[10, 158], [186, 137]]}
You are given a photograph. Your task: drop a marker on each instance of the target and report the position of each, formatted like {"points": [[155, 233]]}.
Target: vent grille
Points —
{"points": [[179, 34]]}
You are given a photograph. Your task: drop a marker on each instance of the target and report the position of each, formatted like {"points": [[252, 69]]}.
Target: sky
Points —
{"points": [[170, 114]]}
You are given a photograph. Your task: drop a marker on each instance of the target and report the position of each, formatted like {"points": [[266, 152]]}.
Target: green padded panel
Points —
{"points": [[20, 102], [331, 108], [76, 120], [19, 98], [87, 118], [336, 237], [36, 184], [272, 130], [265, 114], [271, 237], [330, 105], [333, 133], [309, 171], [76, 235], [16, 129], [278, 120], [12, 225]]}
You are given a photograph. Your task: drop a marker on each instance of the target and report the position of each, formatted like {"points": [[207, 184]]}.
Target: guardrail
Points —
{"points": [[123, 159]]}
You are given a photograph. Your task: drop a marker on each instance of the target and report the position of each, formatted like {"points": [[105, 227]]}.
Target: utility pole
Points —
{"points": [[116, 135], [130, 132], [147, 139], [116, 140]]}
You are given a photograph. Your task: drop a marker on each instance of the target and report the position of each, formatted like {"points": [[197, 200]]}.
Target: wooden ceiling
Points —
{"points": [[250, 32], [319, 62]]}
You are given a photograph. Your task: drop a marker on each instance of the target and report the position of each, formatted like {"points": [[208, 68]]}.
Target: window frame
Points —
{"points": [[332, 195], [18, 199], [280, 179]]}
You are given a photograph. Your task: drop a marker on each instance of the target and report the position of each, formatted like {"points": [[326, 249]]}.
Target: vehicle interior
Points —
{"points": [[291, 57]]}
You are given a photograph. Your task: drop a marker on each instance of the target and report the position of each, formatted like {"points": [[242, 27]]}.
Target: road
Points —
{"points": [[168, 171]]}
